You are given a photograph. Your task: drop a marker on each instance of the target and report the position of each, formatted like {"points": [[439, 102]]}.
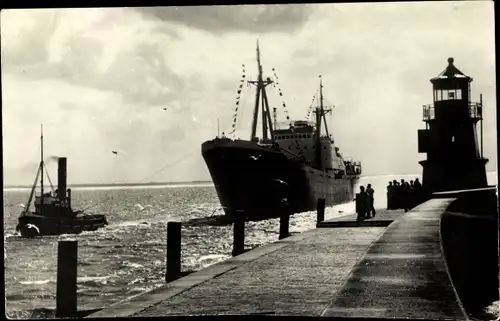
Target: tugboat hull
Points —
{"points": [[260, 182], [32, 225]]}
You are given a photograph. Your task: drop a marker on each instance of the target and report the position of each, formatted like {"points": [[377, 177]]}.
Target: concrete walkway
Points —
{"points": [[349, 270]]}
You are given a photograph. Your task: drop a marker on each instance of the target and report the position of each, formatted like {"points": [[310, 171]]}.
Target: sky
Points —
{"points": [[99, 80]]}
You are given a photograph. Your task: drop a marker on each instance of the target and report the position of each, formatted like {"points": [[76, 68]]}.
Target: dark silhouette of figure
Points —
{"points": [[412, 196], [390, 192], [361, 204], [371, 200], [396, 195], [405, 196], [419, 192]]}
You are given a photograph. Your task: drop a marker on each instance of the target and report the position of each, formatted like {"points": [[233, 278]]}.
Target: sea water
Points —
{"points": [[128, 256]]}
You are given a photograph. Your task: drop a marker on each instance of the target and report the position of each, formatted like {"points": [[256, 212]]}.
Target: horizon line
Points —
{"points": [[115, 184], [181, 182]]}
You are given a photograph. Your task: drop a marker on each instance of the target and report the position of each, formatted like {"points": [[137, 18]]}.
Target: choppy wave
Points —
{"points": [[494, 310], [36, 282]]}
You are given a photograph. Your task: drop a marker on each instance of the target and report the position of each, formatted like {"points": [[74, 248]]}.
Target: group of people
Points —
{"points": [[400, 195], [365, 203], [404, 195]]}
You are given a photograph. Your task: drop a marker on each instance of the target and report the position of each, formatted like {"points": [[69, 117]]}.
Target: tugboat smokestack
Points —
{"points": [[61, 178]]}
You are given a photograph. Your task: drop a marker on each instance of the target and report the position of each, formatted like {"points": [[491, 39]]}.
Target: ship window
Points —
{"points": [[289, 147], [324, 147]]}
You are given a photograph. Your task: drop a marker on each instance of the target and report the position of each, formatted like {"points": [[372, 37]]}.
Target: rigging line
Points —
{"points": [[297, 144], [157, 172], [238, 98], [27, 206], [168, 165], [280, 93], [50, 181], [311, 106]]}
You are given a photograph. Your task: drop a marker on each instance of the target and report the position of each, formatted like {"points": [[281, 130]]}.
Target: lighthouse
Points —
{"points": [[450, 139]]}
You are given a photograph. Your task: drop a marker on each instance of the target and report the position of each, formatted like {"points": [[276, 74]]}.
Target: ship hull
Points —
{"points": [[32, 224], [260, 182]]}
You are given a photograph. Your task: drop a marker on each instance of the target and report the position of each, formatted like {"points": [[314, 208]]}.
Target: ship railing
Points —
{"points": [[475, 111], [353, 168], [428, 112]]}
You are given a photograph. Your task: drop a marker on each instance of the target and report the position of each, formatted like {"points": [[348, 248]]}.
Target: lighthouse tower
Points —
{"points": [[454, 159]]}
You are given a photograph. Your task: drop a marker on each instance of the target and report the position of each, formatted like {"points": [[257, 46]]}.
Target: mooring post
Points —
{"points": [[239, 234], [284, 225], [67, 267], [321, 210], [173, 251]]}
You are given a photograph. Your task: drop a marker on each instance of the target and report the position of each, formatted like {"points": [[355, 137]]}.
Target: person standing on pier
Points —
{"points": [[390, 196], [396, 195], [405, 195], [361, 204], [371, 200], [419, 192]]}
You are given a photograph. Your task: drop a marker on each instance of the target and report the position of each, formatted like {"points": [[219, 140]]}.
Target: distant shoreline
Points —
{"points": [[120, 184], [188, 182]]}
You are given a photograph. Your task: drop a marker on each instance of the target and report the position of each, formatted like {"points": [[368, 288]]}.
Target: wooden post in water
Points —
{"points": [[284, 225], [238, 234], [67, 267], [173, 251], [321, 210]]}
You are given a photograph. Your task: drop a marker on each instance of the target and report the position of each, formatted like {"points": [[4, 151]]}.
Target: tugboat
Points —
{"points": [[286, 170], [53, 214]]}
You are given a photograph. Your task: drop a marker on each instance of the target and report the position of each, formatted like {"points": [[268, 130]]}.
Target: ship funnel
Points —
{"points": [[69, 198], [61, 178]]}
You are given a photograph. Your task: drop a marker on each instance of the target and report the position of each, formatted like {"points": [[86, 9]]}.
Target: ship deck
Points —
{"points": [[388, 267]]}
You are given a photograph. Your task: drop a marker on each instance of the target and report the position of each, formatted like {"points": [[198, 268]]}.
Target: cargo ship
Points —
{"points": [[53, 213], [286, 170]]}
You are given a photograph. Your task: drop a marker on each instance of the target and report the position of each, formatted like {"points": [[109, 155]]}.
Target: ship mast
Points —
{"points": [[262, 103], [41, 166], [323, 110], [320, 117]]}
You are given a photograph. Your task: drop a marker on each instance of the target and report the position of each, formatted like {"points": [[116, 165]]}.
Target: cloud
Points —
{"points": [[224, 19], [139, 74], [26, 44]]}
